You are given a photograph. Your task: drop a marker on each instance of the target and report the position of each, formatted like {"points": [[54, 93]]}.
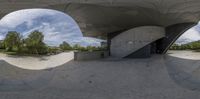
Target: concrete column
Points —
{"points": [[135, 39], [173, 32]]}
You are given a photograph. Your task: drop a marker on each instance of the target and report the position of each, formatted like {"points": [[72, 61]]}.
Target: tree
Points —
{"points": [[76, 47], [35, 43], [91, 48], [2, 45], [12, 40], [65, 46]]}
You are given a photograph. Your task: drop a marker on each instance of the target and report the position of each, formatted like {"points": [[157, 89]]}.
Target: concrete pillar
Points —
{"points": [[173, 32], [128, 42]]}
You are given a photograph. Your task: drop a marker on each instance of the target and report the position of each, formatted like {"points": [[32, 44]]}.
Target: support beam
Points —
{"points": [[173, 32], [110, 36]]}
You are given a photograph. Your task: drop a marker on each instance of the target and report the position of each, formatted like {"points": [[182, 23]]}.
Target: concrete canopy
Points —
{"points": [[96, 18]]}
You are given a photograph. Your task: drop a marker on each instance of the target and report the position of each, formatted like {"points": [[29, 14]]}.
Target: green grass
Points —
{"points": [[11, 53], [2, 50], [198, 50]]}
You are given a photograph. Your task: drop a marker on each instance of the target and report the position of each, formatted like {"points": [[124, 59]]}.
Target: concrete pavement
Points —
{"points": [[151, 78]]}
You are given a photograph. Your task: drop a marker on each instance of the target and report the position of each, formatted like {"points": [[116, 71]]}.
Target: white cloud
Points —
{"points": [[56, 26], [1, 37], [85, 41], [52, 35], [16, 18], [189, 36]]}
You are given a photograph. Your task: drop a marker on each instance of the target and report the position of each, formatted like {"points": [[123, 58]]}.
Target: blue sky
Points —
{"points": [[56, 26]]}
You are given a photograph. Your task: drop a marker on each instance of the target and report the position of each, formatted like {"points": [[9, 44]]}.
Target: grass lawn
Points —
{"points": [[2, 50], [23, 54], [9, 53], [198, 50]]}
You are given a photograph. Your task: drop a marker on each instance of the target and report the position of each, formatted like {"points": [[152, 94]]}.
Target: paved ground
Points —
{"points": [[160, 77], [184, 68], [38, 62], [190, 55]]}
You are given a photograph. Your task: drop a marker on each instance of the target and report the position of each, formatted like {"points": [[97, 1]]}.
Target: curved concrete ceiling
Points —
{"points": [[99, 17]]}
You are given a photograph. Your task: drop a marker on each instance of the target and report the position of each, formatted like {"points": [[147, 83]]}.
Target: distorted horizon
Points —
{"points": [[55, 25]]}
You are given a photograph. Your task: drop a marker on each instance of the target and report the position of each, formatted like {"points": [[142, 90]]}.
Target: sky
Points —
{"points": [[58, 27], [55, 25], [190, 35]]}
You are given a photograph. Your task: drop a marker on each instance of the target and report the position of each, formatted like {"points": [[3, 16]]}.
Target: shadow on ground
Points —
{"points": [[185, 72], [151, 78], [14, 79]]}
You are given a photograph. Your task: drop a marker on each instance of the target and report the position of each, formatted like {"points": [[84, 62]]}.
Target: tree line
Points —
{"points": [[34, 44], [189, 46]]}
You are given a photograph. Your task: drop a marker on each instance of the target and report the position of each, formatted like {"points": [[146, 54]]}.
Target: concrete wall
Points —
{"points": [[134, 39], [144, 52], [79, 56]]}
